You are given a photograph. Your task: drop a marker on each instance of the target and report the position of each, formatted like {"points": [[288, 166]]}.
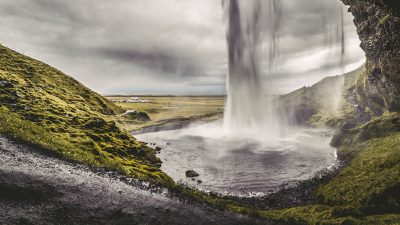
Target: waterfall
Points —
{"points": [[247, 25], [253, 51]]}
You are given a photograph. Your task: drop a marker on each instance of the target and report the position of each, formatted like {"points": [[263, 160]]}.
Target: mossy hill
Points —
{"points": [[322, 104], [367, 190], [44, 107]]}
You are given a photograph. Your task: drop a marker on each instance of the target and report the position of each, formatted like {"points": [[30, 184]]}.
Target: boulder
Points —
{"points": [[136, 115], [191, 173]]}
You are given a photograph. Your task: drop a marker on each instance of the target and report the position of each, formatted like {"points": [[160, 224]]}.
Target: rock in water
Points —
{"points": [[136, 115], [192, 173]]}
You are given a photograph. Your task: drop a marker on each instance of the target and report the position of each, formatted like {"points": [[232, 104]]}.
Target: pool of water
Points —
{"points": [[239, 164]]}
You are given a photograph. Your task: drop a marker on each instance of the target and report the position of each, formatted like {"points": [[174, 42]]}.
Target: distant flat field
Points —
{"points": [[168, 109]]}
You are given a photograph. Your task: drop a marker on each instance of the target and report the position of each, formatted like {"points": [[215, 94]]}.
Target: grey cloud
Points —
{"points": [[148, 46], [162, 62]]}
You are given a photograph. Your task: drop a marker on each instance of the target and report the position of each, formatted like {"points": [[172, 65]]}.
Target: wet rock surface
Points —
{"points": [[136, 115], [378, 26], [294, 194], [191, 173], [38, 189]]}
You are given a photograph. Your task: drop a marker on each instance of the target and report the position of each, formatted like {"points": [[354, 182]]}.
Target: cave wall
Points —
{"points": [[378, 26]]}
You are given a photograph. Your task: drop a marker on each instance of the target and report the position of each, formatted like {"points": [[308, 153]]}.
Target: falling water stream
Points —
{"points": [[254, 149], [250, 24], [253, 52]]}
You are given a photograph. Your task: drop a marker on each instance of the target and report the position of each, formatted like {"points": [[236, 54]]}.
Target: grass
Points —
{"points": [[162, 109], [44, 107], [373, 177], [29, 132], [322, 104], [367, 191], [323, 214], [373, 173]]}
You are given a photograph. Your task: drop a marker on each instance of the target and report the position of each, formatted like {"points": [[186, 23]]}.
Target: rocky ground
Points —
{"points": [[39, 189]]}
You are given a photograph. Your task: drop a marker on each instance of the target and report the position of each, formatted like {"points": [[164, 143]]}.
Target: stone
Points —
{"points": [[6, 84], [378, 26], [136, 115], [192, 173]]}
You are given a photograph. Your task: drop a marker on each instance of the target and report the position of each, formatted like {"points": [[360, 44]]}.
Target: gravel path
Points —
{"points": [[38, 189]]}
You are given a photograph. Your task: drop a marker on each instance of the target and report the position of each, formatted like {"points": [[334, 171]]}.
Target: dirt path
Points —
{"points": [[37, 189]]}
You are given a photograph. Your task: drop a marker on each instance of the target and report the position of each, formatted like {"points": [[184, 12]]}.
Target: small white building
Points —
{"points": [[136, 100]]}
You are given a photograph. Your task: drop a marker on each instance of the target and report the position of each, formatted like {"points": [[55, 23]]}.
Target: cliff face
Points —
{"points": [[378, 26]]}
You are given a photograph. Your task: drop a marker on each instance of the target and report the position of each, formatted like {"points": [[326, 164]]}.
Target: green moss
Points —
{"points": [[367, 191], [44, 107], [320, 214], [384, 19], [374, 171]]}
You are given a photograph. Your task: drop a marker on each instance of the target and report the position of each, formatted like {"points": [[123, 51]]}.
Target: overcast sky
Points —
{"points": [[167, 46]]}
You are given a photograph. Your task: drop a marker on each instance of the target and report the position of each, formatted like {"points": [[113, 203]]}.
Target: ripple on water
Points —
{"points": [[242, 166]]}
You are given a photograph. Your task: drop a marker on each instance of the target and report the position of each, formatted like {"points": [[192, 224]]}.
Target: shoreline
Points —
{"points": [[176, 123], [288, 195]]}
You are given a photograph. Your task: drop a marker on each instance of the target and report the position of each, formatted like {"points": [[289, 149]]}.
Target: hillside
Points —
{"points": [[166, 112], [366, 189], [42, 106], [324, 103]]}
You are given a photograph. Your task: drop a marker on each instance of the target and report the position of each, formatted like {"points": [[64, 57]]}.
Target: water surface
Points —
{"points": [[239, 164]]}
